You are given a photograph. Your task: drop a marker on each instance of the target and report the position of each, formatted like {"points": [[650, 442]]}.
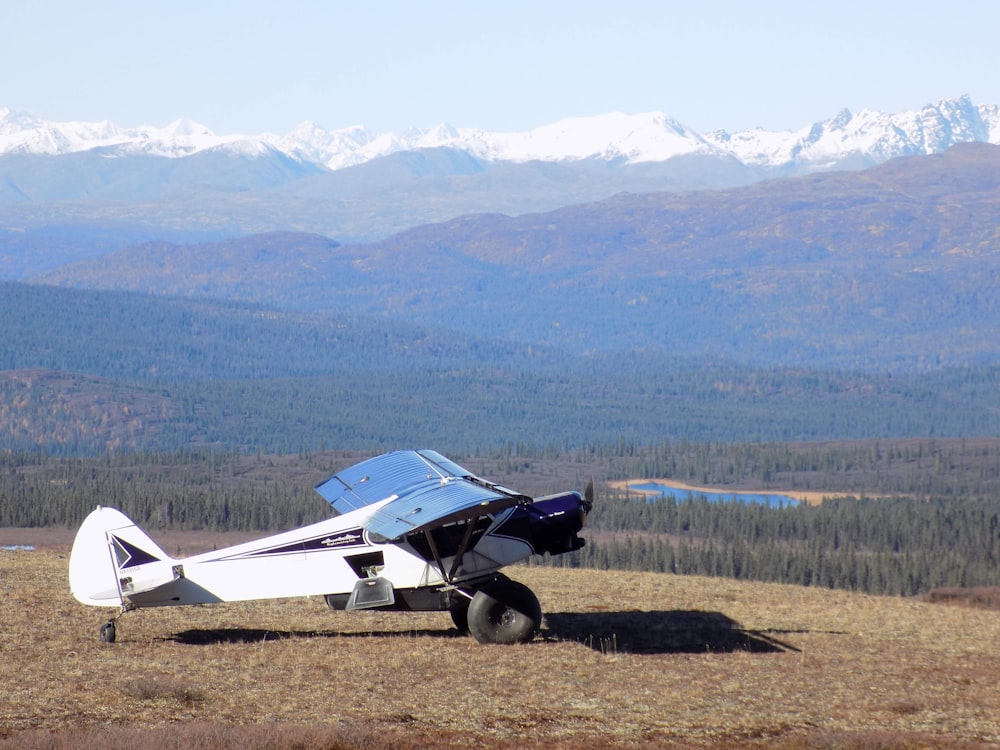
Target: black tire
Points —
{"points": [[460, 614], [108, 633], [504, 611]]}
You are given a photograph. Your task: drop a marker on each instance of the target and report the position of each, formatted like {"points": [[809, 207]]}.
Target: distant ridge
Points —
{"points": [[184, 183], [894, 267]]}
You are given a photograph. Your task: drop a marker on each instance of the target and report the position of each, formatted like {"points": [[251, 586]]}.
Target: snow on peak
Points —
{"points": [[652, 136], [12, 122], [331, 148], [847, 138], [868, 137], [22, 132], [180, 138], [633, 138]]}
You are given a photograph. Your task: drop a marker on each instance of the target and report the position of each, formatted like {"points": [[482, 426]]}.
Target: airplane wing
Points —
{"points": [[424, 490]]}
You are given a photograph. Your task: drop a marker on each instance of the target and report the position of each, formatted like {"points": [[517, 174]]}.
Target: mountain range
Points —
{"points": [[183, 182], [888, 267], [238, 295], [866, 138]]}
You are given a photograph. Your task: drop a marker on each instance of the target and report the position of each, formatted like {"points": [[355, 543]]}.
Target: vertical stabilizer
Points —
{"points": [[109, 550]]}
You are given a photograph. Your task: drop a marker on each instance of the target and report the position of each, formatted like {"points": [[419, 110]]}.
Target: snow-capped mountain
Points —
{"points": [[867, 138], [28, 134], [844, 140]]}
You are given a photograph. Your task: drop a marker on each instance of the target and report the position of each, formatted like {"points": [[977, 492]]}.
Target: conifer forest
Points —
{"points": [[903, 517]]}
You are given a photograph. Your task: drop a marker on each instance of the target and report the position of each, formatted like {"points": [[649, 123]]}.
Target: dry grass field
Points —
{"points": [[624, 660]]}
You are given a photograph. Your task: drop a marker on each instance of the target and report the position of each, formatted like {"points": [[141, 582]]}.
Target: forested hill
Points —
{"points": [[894, 268], [85, 371], [837, 306], [133, 336]]}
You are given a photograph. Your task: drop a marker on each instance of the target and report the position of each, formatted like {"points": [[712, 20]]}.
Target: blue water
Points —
{"points": [[17, 547], [662, 490]]}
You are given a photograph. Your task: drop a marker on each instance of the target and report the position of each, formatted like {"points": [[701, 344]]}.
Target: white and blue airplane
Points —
{"points": [[414, 532]]}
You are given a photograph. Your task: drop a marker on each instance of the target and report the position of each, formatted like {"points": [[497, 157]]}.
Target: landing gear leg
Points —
{"points": [[459, 610]]}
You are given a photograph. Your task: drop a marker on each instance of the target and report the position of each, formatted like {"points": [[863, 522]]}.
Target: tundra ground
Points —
{"points": [[623, 660]]}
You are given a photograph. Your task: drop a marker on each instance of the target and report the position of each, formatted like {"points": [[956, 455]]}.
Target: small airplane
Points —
{"points": [[414, 532]]}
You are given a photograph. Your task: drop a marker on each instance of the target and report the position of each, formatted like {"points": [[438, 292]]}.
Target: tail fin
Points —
{"points": [[108, 553]]}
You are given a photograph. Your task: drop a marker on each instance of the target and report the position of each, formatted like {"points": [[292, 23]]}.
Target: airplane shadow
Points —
{"points": [[673, 632], [207, 637], [677, 631]]}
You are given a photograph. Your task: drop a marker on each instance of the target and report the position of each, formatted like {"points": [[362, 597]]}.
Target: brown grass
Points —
{"points": [[984, 597], [624, 660]]}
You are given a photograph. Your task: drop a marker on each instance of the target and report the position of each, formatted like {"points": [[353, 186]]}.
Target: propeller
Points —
{"points": [[588, 497]]}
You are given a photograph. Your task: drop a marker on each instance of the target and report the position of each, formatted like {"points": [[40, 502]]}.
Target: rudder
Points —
{"points": [[107, 543]]}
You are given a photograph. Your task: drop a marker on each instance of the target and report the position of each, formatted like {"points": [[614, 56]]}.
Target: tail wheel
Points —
{"points": [[504, 611], [108, 633]]}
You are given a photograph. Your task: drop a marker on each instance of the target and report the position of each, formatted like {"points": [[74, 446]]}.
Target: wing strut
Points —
{"points": [[470, 528], [436, 554], [463, 547]]}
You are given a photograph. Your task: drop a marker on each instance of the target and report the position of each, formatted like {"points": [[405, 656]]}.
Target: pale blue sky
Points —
{"points": [[253, 67]]}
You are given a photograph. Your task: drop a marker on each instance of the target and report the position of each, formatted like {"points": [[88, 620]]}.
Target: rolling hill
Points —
{"points": [[894, 268], [85, 371]]}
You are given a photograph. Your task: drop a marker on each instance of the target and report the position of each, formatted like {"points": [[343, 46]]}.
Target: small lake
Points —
{"points": [[681, 495]]}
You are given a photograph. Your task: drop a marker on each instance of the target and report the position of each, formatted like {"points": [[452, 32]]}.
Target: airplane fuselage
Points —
{"points": [[414, 531]]}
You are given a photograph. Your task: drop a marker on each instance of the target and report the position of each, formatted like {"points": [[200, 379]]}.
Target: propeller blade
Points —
{"points": [[588, 496]]}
